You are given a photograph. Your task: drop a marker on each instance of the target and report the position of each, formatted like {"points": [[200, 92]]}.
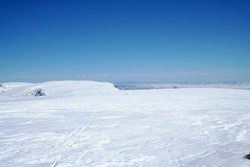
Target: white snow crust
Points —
{"points": [[86, 123]]}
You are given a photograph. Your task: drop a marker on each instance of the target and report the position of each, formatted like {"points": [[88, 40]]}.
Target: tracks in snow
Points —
{"points": [[70, 140]]}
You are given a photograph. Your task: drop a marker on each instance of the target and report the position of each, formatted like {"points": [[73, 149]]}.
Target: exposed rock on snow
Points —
{"points": [[39, 92], [247, 156], [36, 92], [2, 88]]}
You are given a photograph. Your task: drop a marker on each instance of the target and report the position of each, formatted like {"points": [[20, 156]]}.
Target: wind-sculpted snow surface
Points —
{"points": [[85, 124]]}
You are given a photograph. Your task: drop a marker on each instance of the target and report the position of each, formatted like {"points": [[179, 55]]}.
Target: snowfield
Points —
{"points": [[88, 124]]}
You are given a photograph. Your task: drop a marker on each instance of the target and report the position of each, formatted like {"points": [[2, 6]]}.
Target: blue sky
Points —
{"points": [[90, 39]]}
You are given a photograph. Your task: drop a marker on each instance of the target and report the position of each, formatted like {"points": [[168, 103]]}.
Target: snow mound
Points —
{"points": [[57, 88]]}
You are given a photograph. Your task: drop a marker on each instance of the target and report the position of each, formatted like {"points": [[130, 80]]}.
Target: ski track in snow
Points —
{"points": [[93, 124], [73, 138]]}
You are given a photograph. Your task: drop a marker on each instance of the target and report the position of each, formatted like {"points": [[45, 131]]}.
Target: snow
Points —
{"points": [[187, 84], [86, 123]]}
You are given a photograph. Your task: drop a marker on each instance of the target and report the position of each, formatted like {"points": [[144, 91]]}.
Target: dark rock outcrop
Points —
{"points": [[36, 92], [39, 92]]}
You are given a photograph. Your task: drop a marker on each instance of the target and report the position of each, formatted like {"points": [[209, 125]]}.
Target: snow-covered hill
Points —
{"points": [[86, 123], [57, 88]]}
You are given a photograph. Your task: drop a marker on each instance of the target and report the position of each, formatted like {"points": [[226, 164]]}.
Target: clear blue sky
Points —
{"points": [[68, 38]]}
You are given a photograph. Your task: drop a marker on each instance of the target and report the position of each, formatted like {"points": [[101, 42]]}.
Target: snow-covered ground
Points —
{"points": [[85, 124], [176, 85]]}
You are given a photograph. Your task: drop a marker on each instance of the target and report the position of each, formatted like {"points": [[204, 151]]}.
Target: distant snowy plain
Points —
{"points": [[87, 124]]}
